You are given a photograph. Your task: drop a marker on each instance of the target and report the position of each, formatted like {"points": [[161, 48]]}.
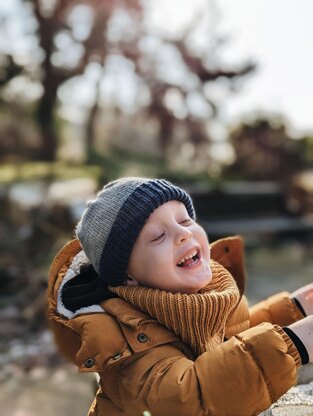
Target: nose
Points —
{"points": [[183, 234]]}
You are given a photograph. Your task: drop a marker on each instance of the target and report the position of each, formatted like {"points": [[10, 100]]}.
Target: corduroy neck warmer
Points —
{"points": [[198, 319]]}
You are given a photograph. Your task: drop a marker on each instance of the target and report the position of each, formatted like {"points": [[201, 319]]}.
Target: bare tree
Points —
{"points": [[58, 37]]}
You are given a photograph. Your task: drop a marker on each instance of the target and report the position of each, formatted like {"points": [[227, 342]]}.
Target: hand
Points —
{"points": [[304, 330], [305, 296]]}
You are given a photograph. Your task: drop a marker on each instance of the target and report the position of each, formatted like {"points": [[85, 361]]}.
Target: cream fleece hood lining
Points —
{"points": [[74, 269]]}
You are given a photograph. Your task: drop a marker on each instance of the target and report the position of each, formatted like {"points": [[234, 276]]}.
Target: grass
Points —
{"points": [[103, 168], [29, 171]]}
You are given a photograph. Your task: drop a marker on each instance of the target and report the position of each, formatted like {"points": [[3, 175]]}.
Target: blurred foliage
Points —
{"points": [[265, 151], [124, 162], [29, 240]]}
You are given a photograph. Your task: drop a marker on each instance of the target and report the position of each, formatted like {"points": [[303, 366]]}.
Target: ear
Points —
{"points": [[131, 281]]}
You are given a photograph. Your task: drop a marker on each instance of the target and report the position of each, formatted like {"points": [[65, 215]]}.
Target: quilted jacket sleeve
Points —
{"points": [[278, 309], [241, 377]]}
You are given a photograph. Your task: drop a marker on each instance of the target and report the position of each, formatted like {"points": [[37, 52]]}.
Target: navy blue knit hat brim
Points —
{"points": [[130, 220]]}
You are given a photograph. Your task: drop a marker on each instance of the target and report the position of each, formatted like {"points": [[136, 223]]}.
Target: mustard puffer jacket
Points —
{"points": [[144, 366]]}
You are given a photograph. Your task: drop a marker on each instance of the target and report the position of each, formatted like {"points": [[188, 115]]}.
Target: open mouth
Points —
{"points": [[189, 260]]}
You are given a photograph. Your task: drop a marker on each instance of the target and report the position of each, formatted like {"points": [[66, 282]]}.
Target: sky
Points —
{"points": [[277, 35]]}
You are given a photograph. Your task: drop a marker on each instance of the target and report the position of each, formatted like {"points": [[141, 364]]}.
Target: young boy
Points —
{"points": [[143, 300]]}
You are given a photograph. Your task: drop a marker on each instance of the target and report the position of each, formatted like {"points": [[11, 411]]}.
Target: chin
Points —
{"points": [[204, 284], [198, 288]]}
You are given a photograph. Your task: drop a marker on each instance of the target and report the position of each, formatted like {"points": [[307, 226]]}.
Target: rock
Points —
{"points": [[298, 401], [305, 374], [290, 411]]}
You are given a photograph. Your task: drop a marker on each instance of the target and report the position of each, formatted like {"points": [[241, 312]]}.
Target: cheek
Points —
{"points": [[201, 235], [147, 262], [203, 240], [136, 262], [159, 263], [159, 258]]}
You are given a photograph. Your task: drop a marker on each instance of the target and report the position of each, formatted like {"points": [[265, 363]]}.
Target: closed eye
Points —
{"points": [[186, 221], [158, 238]]}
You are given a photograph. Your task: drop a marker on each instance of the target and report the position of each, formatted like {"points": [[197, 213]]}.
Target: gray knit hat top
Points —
{"points": [[112, 222]]}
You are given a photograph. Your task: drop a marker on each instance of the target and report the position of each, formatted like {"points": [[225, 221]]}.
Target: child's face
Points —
{"points": [[159, 256]]}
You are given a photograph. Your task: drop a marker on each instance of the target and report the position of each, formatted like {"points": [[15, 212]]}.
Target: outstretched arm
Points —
{"points": [[241, 377], [284, 308], [279, 309]]}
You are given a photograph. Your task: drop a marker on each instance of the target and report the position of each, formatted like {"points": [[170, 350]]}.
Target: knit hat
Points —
{"points": [[112, 222]]}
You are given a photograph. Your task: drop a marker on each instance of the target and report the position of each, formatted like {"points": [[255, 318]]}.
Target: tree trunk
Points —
{"points": [[90, 132], [45, 119]]}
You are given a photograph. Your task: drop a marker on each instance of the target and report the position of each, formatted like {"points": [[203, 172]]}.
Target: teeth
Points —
{"points": [[192, 254]]}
